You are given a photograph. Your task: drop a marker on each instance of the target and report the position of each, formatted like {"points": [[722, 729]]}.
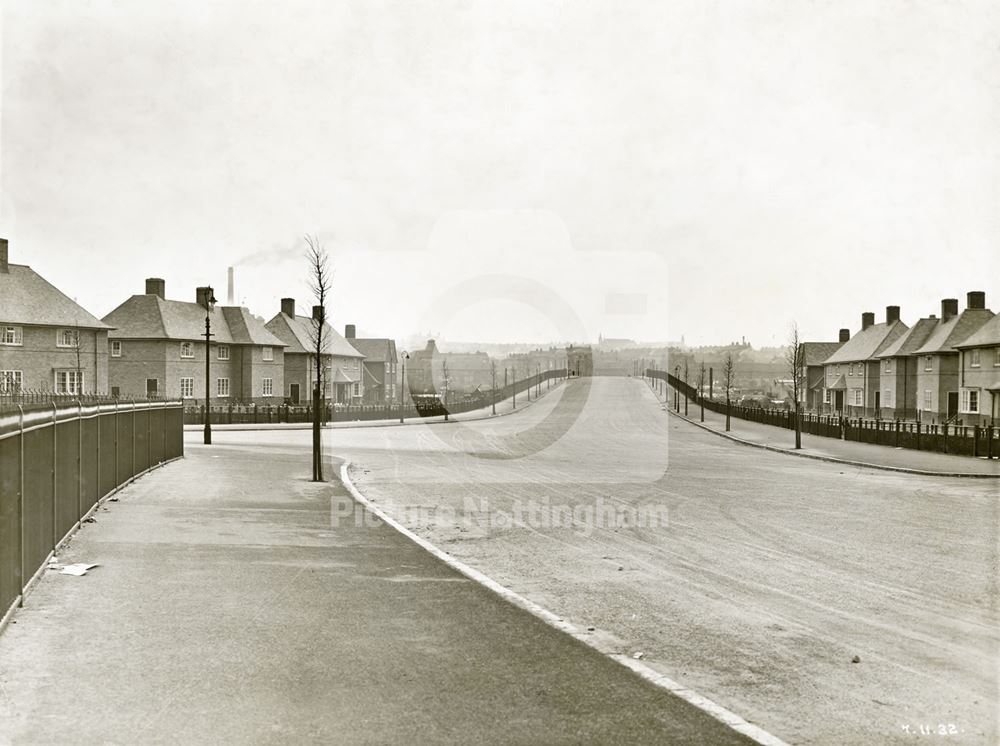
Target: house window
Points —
{"points": [[859, 397], [827, 395], [116, 348], [267, 354], [187, 349], [888, 366], [187, 388], [69, 381], [927, 399], [10, 381], [67, 338], [357, 389], [268, 387], [222, 352], [928, 363], [996, 357], [974, 358], [970, 401], [222, 387], [11, 335], [887, 398], [850, 369]]}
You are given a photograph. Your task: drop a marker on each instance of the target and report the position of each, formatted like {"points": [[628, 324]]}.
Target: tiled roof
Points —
{"points": [[340, 376], [956, 330], [908, 343], [987, 335], [839, 385], [28, 298], [297, 334], [816, 353], [867, 343], [374, 349], [152, 317]]}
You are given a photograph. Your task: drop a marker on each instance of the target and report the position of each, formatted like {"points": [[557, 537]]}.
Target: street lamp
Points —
{"points": [[208, 299], [402, 395], [493, 376], [677, 401]]}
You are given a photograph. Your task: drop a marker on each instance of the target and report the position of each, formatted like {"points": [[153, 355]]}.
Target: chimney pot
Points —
{"points": [[891, 314], [156, 286], [288, 307], [318, 313], [4, 264], [949, 308], [845, 334], [349, 331], [867, 319], [976, 299]]}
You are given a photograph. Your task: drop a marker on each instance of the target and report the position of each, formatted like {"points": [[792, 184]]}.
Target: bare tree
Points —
{"points": [[795, 357], [701, 385], [728, 379], [320, 282]]}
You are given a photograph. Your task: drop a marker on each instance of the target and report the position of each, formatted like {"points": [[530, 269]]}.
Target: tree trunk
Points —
{"points": [[317, 453], [727, 414], [798, 427]]}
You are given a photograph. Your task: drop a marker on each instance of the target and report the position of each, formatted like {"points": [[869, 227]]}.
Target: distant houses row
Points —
{"points": [[944, 368], [151, 346], [154, 347]]}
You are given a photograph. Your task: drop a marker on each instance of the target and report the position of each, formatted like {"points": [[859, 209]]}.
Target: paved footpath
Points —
{"points": [[228, 607], [864, 453]]}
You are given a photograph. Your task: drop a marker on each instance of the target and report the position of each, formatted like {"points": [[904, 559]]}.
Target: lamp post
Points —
{"points": [[677, 401], [208, 298], [402, 396], [493, 376]]}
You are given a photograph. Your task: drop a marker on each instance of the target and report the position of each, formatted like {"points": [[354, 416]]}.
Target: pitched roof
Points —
{"points": [[956, 330], [374, 349], [839, 385], [296, 332], [816, 353], [987, 335], [28, 298], [152, 317], [909, 342], [340, 376], [868, 342]]}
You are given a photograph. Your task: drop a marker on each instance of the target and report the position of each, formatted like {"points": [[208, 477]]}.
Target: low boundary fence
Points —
{"points": [[58, 461], [963, 440], [428, 405]]}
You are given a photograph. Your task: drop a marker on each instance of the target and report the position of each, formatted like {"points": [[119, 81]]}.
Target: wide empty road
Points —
{"points": [[772, 577]]}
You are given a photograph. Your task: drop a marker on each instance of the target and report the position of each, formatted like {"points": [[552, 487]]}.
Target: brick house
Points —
{"points": [[342, 364], [852, 373], [430, 371], [979, 375], [814, 355], [47, 342], [157, 349], [379, 366], [939, 395], [898, 377]]}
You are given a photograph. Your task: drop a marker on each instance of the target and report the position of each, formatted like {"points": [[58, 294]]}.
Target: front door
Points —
{"points": [[838, 398], [151, 388], [878, 402], [952, 404], [293, 393]]}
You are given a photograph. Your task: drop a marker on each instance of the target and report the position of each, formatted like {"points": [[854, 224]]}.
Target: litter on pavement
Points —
{"points": [[78, 569]]}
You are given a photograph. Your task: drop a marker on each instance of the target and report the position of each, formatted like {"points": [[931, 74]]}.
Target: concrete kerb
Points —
{"points": [[393, 422], [833, 459], [720, 713]]}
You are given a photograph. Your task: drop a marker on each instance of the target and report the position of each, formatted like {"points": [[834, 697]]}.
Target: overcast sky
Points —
{"points": [[638, 169]]}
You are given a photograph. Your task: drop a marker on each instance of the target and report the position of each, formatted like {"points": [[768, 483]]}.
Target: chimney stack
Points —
{"points": [[891, 314], [976, 299], [156, 286], [845, 334], [4, 264], [318, 313], [288, 307], [867, 319], [349, 331], [232, 290], [204, 296], [949, 308]]}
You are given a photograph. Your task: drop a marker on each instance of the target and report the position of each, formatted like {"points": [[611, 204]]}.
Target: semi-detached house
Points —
{"points": [[157, 349]]}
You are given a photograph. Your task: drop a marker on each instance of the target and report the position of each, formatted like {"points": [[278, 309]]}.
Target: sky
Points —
{"points": [[516, 171]]}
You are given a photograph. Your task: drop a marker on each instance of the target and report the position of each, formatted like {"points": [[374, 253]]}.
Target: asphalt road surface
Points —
{"points": [[827, 604]]}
